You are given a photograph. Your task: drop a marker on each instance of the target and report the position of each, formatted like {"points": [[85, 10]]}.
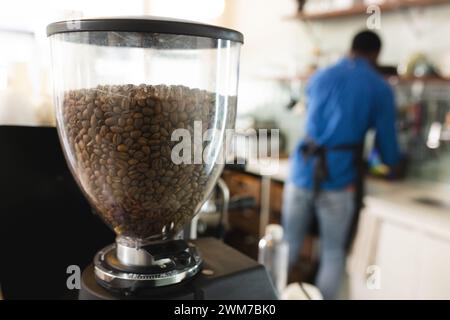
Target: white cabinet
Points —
{"points": [[397, 258], [412, 261], [434, 268]]}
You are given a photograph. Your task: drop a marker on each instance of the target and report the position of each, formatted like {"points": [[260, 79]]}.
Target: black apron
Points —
{"points": [[320, 175]]}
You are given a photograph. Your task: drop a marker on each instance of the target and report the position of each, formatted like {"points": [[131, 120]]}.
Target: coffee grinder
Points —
{"points": [[143, 106]]}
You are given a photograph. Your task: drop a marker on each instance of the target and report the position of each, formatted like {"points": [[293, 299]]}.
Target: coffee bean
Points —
{"points": [[155, 136], [135, 134], [116, 185], [141, 102], [150, 174], [98, 113], [139, 155], [138, 123], [142, 167], [157, 164], [122, 148], [166, 106], [158, 108], [116, 129], [153, 142], [154, 128], [147, 111], [155, 155], [183, 116], [121, 139], [93, 121], [164, 132], [121, 173], [133, 162], [143, 141], [122, 155], [174, 118], [125, 104], [166, 151], [117, 139], [169, 173], [103, 131], [126, 181], [111, 121], [128, 142], [91, 132], [121, 122]]}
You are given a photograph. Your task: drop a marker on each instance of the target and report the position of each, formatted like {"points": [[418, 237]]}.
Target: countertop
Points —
{"points": [[425, 205]]}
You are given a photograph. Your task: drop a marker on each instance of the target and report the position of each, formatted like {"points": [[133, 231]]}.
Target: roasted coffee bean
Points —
{"points": [[122, 155], [121, 173], [164, 132], [147, 111], [135, 134], [116, 129], [117, 139], [150, 174], [132, 162], [122, 148], [142, 167], [143, 141], [139, 155], [125, 104], [121, 139], [154, 128], [166, 106], [98, 113], [103, 130], [174, 118], [155, 155], [111, 121], [128, 142], [122, 121], [93, 121]]}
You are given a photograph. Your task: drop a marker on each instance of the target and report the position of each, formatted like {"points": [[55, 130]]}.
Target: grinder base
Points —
{"points": [[173, 261], [227, 275]]}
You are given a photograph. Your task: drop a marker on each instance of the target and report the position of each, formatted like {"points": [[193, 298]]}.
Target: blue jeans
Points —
{"points": [[334, 211]]}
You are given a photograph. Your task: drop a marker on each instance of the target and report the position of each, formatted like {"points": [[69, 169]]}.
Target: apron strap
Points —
{"points": [[320, 174]]}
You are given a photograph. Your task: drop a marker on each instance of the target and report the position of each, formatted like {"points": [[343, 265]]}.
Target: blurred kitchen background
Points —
{"points": [[405, 227]]}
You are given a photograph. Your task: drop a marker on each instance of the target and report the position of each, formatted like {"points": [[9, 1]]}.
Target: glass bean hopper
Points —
{"points": [[142, 107]]}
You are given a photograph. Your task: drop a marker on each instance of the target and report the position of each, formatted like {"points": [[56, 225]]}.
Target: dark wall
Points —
{"points": [[45, 222]]}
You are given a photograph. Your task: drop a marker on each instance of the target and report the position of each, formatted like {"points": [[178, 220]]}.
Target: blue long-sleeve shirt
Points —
{"points": [[343, 102]]}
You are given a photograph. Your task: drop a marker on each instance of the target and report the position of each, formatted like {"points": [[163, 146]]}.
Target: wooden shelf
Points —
{"points": [[389, 6], [391, 79], [425, 80]]}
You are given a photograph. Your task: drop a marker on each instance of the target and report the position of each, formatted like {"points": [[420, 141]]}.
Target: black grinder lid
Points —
{"points": [[145, 24]]}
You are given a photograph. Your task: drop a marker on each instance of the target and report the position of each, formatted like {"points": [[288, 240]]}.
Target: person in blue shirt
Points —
{"points": [[344, 101]]}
